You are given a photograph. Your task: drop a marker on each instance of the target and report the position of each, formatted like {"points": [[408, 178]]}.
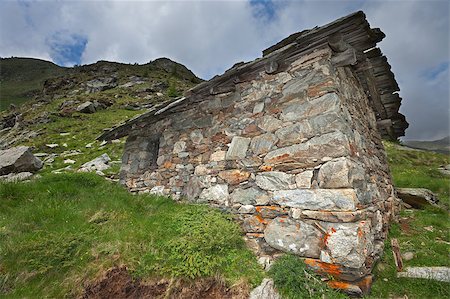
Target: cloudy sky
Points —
{"points": [[210, 36]]}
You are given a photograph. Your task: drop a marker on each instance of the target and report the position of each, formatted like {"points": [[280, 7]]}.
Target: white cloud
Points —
{"points": [[210, 36]]}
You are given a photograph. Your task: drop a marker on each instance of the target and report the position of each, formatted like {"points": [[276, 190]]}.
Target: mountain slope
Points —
{"points": [[439, 146], [22, 78], [53, 124]]}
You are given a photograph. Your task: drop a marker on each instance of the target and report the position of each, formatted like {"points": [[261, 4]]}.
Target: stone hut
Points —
{"points": [[290, 143]]}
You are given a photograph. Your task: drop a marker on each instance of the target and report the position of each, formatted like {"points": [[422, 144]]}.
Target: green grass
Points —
{"points": [[418, 169], [60, 231], [423, 232]]}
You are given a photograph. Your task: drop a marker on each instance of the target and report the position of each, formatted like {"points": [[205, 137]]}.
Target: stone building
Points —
{"points": [[290, 143]]}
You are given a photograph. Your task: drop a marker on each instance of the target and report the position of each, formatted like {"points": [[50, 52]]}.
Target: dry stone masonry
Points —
{"points": [[290, 143]]}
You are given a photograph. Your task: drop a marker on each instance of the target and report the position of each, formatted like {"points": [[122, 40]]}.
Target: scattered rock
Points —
{"points": [[89, 145], [407, 256], [100, 84], [52, 145], [100, 163], [417, 197], [69, 161], [434, 273], [18, 159], [16, 177], [266, 290], [86, 107]]}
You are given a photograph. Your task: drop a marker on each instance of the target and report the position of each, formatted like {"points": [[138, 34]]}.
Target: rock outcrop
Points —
{"points": [[417, 197]]}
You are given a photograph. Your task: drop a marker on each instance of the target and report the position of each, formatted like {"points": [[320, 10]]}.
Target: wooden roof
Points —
{"points": [[371, 67]]}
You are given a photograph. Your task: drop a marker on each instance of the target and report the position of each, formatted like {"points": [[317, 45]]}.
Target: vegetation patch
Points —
{"points": [[61, 231], [422, 232], [294, 281]]}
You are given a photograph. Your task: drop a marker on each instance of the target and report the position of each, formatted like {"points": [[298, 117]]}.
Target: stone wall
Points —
{"points": [[296, 156]]}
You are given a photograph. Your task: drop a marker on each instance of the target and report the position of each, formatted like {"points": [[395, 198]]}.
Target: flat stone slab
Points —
{"points": [[317, 199], [417, 197], [434, 273]]}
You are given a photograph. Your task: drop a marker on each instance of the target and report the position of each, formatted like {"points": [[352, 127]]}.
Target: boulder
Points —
{"points": [[265, 290], [18, 159], [417, 197], [98, 164], [86, 107]]}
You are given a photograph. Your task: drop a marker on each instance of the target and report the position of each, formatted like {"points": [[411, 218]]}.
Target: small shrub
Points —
{"points": [[294, 281]]}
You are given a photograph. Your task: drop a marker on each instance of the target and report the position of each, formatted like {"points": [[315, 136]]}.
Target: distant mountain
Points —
{"points": [[439, 146], [22, 78]]}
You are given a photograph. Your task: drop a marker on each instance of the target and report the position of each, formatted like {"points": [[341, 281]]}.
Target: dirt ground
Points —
{"points": [[118, 283]]}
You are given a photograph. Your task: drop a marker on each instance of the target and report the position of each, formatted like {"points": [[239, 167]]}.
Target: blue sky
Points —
{"points": [[210, 36]]}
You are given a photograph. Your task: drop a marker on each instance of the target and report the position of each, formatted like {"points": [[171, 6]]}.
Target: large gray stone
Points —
{"points": [[86, 107], [269, 123], [263, 143], [417, 197], [310, 153], [327, 103], [238, 148], [217, 194], [341, 173], [18, 159], [348, 244], [295, 133], [293, 236], [275, 180], [100, 163], [266, 290], [309, 127], [249, 196], [317, 199]]}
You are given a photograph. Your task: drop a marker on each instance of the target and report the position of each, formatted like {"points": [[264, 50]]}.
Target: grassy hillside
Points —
{"points": [[52, 118], [425, 233], [62, 231], [22, 78]]}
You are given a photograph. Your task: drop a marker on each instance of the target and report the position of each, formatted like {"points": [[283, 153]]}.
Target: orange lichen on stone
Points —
{"points": [[324, 268], [266, 168], [167, 164], [341, 285], [260, 219], [234, 177]]}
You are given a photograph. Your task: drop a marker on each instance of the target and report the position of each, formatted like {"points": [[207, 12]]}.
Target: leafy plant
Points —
{"points": [[294, 281]]}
